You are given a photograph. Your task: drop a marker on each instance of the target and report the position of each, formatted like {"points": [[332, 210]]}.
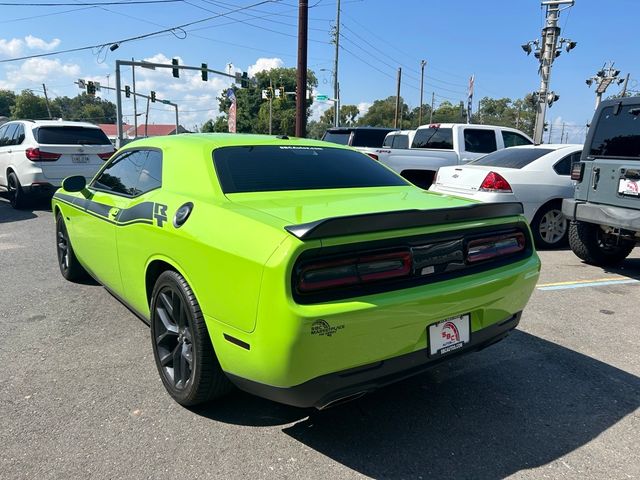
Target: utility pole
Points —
{"points": [[422, 65], [562, 132], [395, 122], [547, 49], [146, 119], [270, 104], [46, 99], [336, 87], [550, 130], [603, 78], [433, 101], [624, 87], [135, 102], [301, 84]]}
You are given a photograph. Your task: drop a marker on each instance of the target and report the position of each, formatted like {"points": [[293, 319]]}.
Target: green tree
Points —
{"points": [[253, 112], [85, 108], [316, 129], [382, 114], [7, 100], [29, 105], [348, 114], [520, 113], [447, 112]]}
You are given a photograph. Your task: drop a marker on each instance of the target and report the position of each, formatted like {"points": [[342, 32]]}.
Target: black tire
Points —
{"points": [[70, 268], [590, 243], [182, 348], [17, 197], [550, 227]]}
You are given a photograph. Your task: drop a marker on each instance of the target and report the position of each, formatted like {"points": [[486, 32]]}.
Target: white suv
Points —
{"points": [[35, 156]]}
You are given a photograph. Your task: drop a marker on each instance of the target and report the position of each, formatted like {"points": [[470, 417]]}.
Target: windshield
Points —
{"points": [[433, 137], [511, 157], [70, 136], [272, 168], [617, 135]]}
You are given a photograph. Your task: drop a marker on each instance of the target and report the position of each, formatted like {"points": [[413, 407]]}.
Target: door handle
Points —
{"points": [[596, 177]]}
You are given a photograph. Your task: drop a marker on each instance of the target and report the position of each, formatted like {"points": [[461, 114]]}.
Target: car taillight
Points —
{"points": [[106, 156], [577, 170], [354, 271], [482, 249], [37, 155], [372, 155], [494, 182]]}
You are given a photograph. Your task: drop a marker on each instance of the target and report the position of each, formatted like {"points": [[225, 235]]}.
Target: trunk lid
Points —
{"points": [[462, 179]]}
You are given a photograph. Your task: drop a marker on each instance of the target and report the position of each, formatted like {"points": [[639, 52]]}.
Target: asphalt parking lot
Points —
{"points": [[80, 396]]}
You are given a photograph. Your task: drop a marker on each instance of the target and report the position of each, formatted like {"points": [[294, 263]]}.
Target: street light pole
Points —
{"points": [[336, 89]]}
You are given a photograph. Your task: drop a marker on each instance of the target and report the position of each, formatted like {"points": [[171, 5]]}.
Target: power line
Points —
{"points": [[171, 30], [92, 4], [31, 17]]}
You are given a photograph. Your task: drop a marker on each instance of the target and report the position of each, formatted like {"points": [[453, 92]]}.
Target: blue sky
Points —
{"points": [[456, 37]]}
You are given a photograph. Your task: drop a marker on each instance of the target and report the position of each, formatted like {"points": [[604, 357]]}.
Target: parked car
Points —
{"points": [[35, 156], [308, 288], [357, 136], [442, 144], [605, 211], [538, 176]]}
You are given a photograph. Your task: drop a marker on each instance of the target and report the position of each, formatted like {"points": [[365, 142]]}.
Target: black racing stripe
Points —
{"points": [[142, 211], [98, 208]]}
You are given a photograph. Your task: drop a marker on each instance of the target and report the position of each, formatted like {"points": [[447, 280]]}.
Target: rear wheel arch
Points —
{"points": [[553, 202], [154, 269]]}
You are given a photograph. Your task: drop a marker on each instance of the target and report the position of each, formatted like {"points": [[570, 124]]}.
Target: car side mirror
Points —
{"points": [[76, 183]]}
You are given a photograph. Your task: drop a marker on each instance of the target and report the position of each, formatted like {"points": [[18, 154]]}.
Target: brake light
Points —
{"points": [[494, 182], [354, 271], [372, 155], [37, 155], [492, 247], [107, 155], [577, 170]]}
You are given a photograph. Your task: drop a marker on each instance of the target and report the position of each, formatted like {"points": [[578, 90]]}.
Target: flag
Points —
{"points": [[470, 98], [232, 110]]}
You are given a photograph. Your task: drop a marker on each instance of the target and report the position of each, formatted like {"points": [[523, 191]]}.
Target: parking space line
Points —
{"points": [[586, 283]]}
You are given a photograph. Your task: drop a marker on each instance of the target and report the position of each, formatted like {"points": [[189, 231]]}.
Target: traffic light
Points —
{"points": [[175, 69], [552, 97], [204, 72], [91, 88], [127, 91], [153, 96], [244, 82]]}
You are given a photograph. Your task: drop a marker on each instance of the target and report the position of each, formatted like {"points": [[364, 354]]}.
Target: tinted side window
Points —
{"points": [[340, 137], [151, 173], [433, 137], [67, 135], [563, 167], [512, 139], [617, 135], [3, 131], [7, 138], [131, 173], [479, 141], [18, 135], [400, 141]]}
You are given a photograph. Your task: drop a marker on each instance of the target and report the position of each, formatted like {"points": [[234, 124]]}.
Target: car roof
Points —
{"points": [[61, 123], [351, 129], [547, 146], [217, 140]]}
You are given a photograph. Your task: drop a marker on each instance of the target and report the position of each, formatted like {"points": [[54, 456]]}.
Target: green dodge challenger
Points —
{"points": [[301, 271]]}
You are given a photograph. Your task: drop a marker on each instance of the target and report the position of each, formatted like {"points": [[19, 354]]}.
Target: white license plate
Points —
{"points": [[449, 335], [80, 158], [629, 187]]}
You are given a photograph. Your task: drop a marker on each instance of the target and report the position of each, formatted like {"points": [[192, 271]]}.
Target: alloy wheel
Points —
{"points": [[173, 338], [553, 226], [62, 246]]}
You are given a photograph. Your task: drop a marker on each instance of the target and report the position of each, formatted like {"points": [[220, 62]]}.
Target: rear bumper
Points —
{"points": [[617, 217], [329, 389]]}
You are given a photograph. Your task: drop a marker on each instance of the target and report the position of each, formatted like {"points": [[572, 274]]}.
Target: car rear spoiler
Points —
{"points": [[378, 222]]}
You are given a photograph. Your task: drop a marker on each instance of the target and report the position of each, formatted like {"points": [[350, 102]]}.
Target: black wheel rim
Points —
{"points": [[173, 338], [62, 246]]}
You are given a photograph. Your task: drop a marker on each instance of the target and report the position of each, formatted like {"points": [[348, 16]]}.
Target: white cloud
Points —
{"points": [[36, 43], [363, 108], [11, 48], [264, 64], [36, 70], [16, 46]]}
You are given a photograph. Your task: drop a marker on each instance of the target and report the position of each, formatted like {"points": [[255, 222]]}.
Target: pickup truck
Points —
{"points": [[443, 144]]}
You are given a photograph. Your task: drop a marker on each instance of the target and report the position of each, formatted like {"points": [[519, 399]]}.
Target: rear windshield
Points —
{"points": [[433, 137], [617, 135], [337, 137], [272, 168], [512, 157], [70, 136], [368, 138]]}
